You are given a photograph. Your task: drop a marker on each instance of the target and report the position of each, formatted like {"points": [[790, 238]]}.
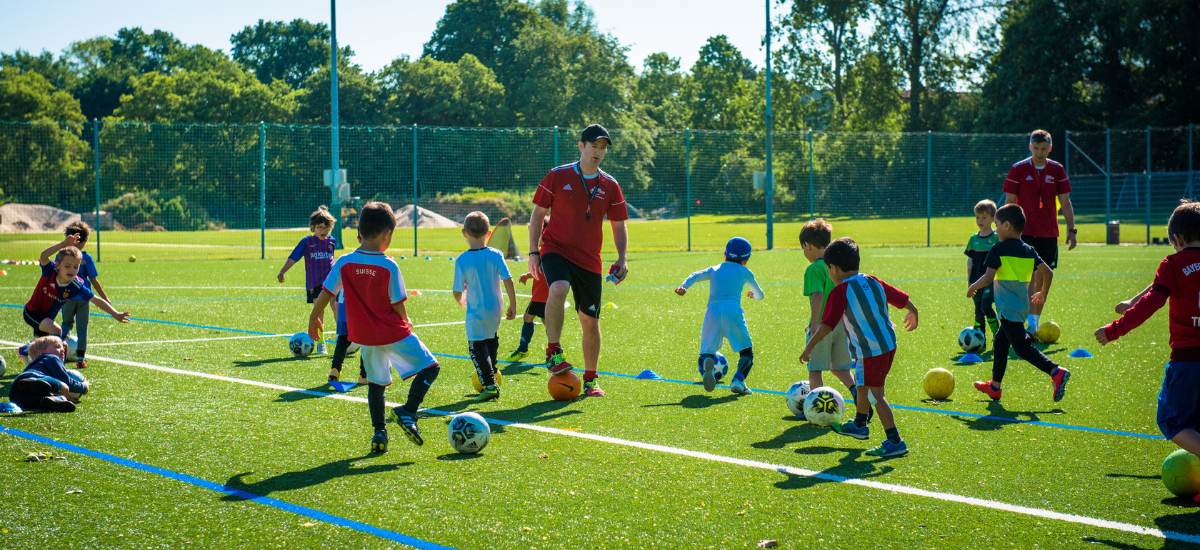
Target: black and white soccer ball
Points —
{"points": [[795, 397], [72, 343], [823, 406], [469, 433], [971, 340], [79, 377], [720, 365], [301, 344]]}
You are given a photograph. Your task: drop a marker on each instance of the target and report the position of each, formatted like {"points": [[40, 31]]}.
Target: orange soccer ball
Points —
{"points": [[564, 386]]}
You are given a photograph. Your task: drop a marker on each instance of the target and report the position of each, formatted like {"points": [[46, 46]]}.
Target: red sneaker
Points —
{"points": [[557, 362], [81, 364], [1060, 383], [986, 387]]}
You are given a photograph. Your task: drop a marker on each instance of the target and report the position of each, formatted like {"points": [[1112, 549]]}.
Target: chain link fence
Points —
{"points": [[195, 191]]}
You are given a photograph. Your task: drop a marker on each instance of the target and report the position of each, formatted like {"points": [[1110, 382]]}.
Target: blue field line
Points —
{"points": [[205, 484], [690, 383]]}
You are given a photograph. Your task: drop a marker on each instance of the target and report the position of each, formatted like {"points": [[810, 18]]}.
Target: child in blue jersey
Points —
{"points": [[45, 384], [478, 273], [317, 252], [76, 312], [724, 318]]}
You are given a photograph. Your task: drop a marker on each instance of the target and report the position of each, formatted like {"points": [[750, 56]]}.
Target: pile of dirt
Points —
{"points": [[34, 218], [425, 218]]}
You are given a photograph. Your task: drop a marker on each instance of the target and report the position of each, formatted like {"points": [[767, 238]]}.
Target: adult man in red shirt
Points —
{"points": [[1034, 184], [578, 196]]}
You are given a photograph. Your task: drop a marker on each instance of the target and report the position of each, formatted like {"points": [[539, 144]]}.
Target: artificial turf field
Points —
{"points": [[192, 457]]}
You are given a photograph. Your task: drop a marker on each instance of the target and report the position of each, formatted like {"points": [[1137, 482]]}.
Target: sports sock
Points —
{"points": [[483, 366], [893, 434], [552, 347], [1033, 321], [420, 386], [376, 403], [993, 324], [860, 419], [590, 375], [745, 363], [1054, 372], [526, 337]]}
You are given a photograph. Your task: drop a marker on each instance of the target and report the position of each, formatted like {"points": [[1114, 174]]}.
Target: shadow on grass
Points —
{"points": [[261, 362], [1186, 523], [697, 401], [848, 467], [317, 475], [999, 417], [531, 413], [455, 457], [1134, 476], [294, 396], [802, 431]]}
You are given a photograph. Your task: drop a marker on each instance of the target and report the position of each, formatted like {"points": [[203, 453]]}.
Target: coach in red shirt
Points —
{"points": [[578, 197], [1035, 184]]}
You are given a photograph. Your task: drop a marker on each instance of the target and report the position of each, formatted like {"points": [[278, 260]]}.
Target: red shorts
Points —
{"points": [[875, 369]]}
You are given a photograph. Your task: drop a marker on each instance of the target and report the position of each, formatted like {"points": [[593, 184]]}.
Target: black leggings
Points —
{"points": [[1012, 334], [483, 355]]}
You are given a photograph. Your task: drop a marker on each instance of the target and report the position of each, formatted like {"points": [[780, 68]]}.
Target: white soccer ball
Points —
{"points": [[795, 397], [823, 406], [469, 433], [353, 348], [720, 366], [79, 377], [301, 345], [3, 366], [72, 348], [971, 340]]}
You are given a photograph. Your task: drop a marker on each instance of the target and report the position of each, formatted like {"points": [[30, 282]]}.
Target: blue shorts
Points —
{"points": [[1179, 398], [342, 329]]}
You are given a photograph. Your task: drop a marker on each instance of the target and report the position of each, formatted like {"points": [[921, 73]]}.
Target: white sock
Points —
{"points": [[1033, 321]]}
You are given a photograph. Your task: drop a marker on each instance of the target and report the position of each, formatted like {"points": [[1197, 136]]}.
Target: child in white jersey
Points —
{"points": [[478, 274], [724, 318]]}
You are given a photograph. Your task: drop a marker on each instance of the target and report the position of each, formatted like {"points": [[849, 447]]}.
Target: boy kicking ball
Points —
{"points": [[59, 284], [724, 318], [377, 320], [317, 251], [1177, 282]]}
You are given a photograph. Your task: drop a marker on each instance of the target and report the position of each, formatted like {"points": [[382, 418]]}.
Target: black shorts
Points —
{"points": [[34, 319], [536, 309], [585, 285], [1046, 248], [314, 293]]}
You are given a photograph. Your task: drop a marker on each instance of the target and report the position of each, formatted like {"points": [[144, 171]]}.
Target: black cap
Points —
{"points": [[593, 133]]}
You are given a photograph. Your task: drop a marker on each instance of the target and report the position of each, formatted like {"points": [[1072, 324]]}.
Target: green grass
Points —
{"points": [[549, 490]]}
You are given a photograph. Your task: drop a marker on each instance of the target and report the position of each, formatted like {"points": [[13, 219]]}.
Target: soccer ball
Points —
{"points": [[939, 383], [352, 348], [824, 406], [469, 433], [720, 366], [564, 386], [1048, 332], [78, 377], [300, 344], [3, 366], [971, 340], [478, 384], [72, 348], [795, 397], [132, 259], [1181, 473]]}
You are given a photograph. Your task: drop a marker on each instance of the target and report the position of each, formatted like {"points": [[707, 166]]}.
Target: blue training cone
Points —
{"points": [[1081, 353], [648, 375], [970, 358], [342, 386]]}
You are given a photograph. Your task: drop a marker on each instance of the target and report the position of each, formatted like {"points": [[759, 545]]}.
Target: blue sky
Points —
{"points": [[377, 30]]}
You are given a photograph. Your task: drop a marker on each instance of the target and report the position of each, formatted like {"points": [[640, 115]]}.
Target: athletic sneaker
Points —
{"points": [[1032, 332], [380, 441], [887, 448], [848, 428], [321, 348], [408, 424], [591, 388], [986, 387], [739, 387], [557, 362], [516, 356], [710, 379], [362, 381], [81, 364], [1060, 383], [489, 393], [35, 386], [57, 403], [335, 375]]}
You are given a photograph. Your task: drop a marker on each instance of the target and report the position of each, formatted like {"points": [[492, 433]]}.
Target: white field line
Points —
{"points": [[946, 497]]}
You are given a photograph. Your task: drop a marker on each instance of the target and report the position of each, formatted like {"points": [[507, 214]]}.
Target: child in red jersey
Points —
{"points": [[1177, 282], [60, 282]]}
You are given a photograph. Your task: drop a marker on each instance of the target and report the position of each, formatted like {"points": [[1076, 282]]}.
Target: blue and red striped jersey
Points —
{"points": [[318, 259]]}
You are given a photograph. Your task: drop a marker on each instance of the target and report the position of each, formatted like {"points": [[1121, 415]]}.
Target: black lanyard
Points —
{"points": [[590, 193]]}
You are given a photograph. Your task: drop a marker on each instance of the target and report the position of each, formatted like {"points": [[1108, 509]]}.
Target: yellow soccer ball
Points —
{"points": [[939, 383], [478, 384], [132, 259], [1048, 332]]}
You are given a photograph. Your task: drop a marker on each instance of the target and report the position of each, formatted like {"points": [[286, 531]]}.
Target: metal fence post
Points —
{"points": [[262, 190], [811, 208], [1190, 175], [96, 160], [415, 191], [928, 187], [1067, 153], [1147, 185], [688, 178], [555, 147], [1107, 178]]}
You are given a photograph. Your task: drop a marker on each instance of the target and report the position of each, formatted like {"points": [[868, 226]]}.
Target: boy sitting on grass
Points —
{"points": [[1010, 264], [76, 312], [833, 352], [1177, 282], [377, 320], [59, 284], [860, 302], [45, 383], [478, 273]]}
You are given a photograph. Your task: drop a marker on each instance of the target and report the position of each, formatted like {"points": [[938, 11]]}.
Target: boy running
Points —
{"points": [[860, 303], [1011, 264], [58, 285], [724, 318], [377, 320], [833, 353], [1174, 283], [317, 251], [977, 250], [478, 273], [76, 312]]}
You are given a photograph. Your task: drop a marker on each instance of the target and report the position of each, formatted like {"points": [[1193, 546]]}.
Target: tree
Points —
{"points": [[58, 72], [485, 29], [436, 93], [834, 25], [659, 88], [223, 94], [41, 161], [106, 65], [360, 98], [718, 87], [290, 52]]}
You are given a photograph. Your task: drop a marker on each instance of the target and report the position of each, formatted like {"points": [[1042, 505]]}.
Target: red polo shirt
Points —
{"points": [[571, 234], [1036, 191]]}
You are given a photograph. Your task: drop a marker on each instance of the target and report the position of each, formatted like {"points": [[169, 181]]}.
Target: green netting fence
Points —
{"points": [[197, 191]]}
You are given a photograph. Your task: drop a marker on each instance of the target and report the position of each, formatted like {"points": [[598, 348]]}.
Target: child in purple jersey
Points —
{"points": [[317, 252]]}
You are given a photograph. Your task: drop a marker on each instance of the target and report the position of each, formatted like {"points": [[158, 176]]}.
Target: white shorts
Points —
{"points": [[724, 321], [409, 356], [831, 353]]}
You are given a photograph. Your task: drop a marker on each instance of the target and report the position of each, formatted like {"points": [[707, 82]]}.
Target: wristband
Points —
{"points": [[1073, 231], [535, 253]]}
